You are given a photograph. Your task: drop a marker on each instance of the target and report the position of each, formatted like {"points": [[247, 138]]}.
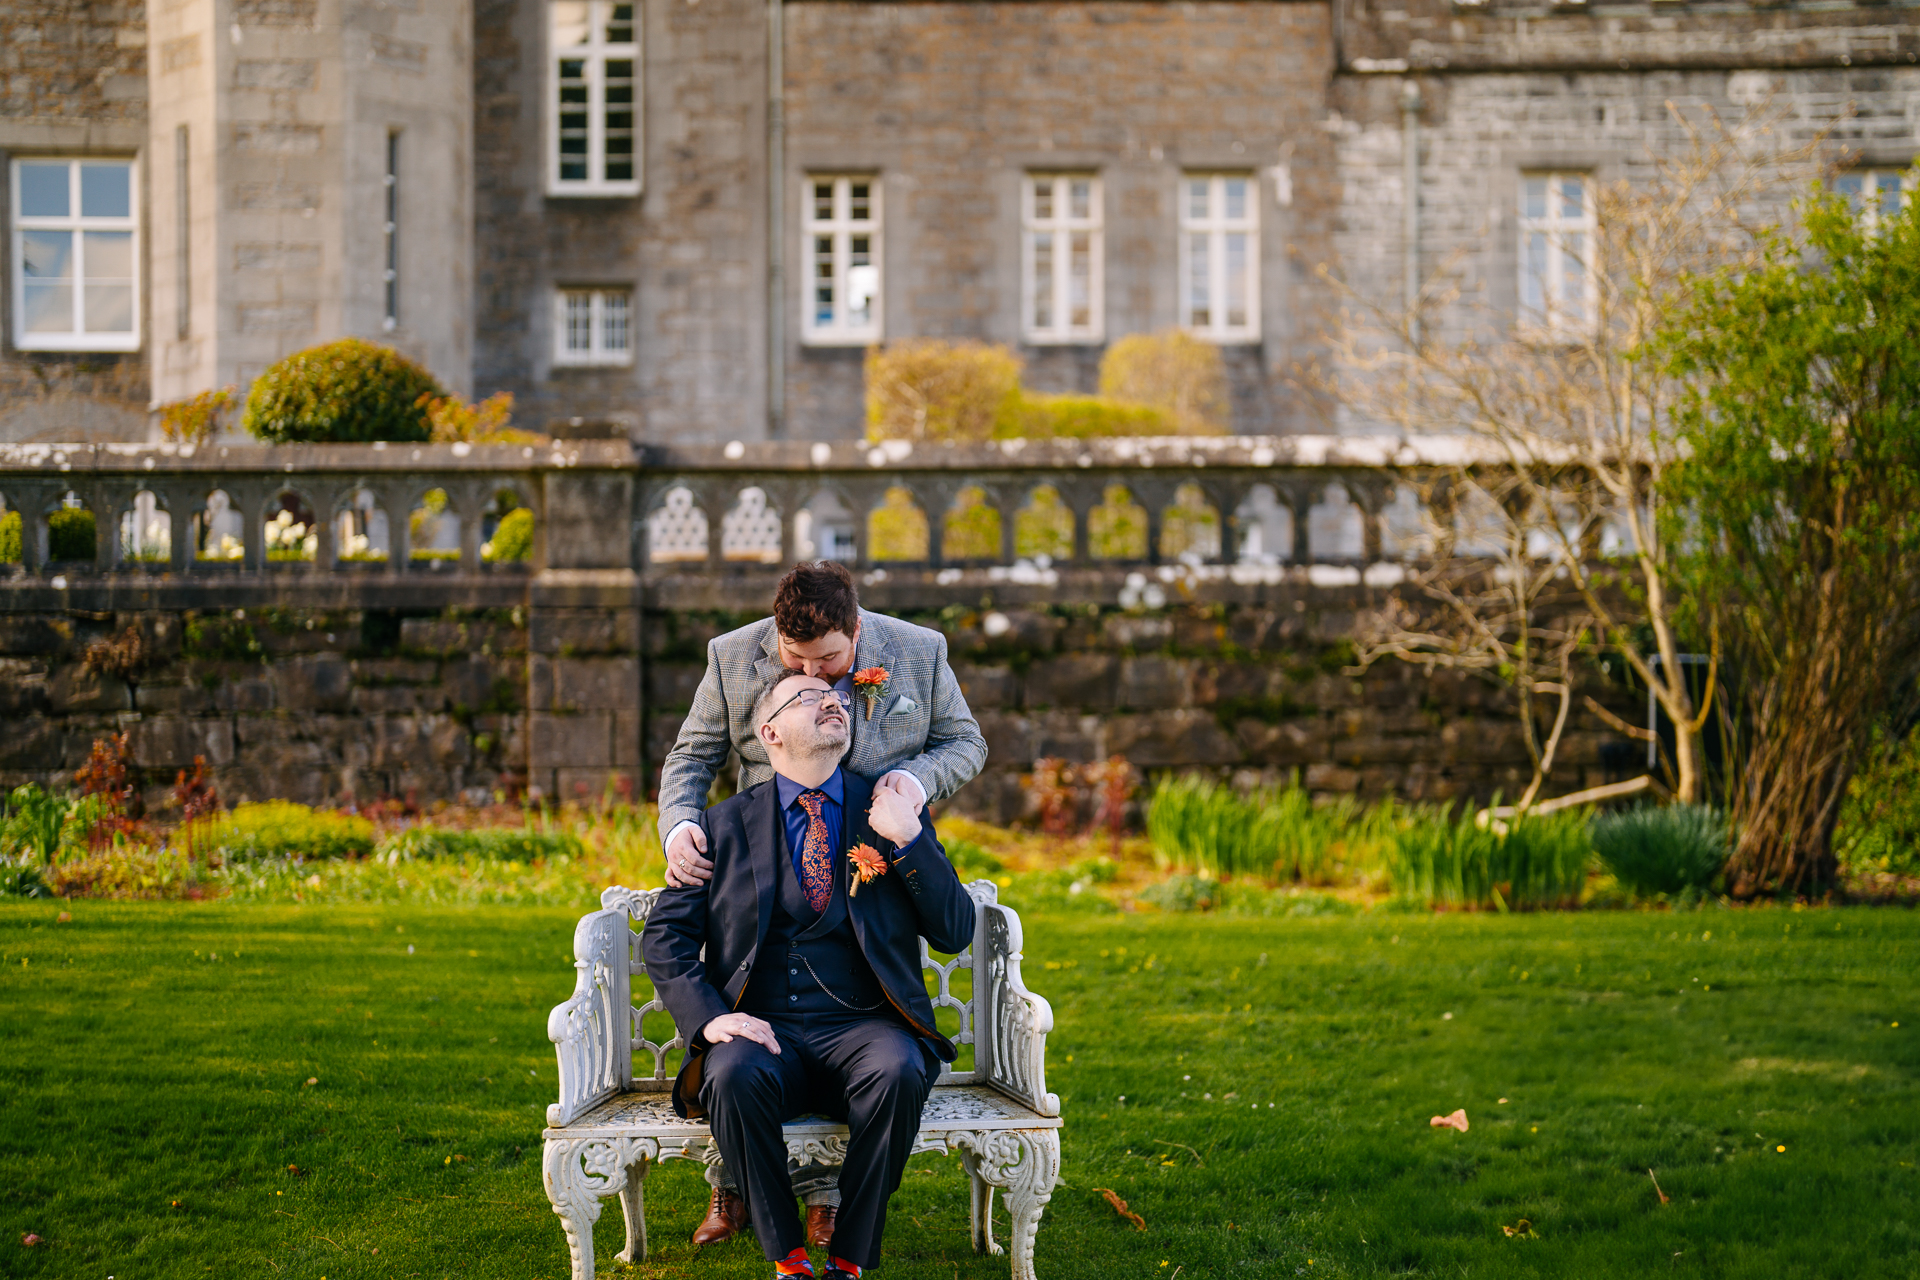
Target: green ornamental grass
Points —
{"points": [[282, 829], [1440, 859], [1655, 849]]}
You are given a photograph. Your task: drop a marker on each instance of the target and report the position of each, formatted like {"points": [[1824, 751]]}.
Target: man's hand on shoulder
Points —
{"points": [[686, 867], [894, 817], [728, 1025]]}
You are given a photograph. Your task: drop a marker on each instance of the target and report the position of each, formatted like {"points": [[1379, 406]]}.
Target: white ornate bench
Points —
{"points": [[610, 1122]]}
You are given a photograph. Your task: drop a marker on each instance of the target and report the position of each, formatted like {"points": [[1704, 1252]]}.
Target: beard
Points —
{"points": [[821, 740]]}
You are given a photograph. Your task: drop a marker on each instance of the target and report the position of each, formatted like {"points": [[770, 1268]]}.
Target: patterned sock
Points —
{"points": [[844, 1265], [794, 1264]]}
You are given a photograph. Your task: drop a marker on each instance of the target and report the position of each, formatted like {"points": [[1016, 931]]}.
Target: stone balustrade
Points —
{"points": [[398, 511]]}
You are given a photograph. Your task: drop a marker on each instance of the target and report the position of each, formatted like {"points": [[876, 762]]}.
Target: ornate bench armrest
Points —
{"points": [[591, 1032], [1020, 1020]]}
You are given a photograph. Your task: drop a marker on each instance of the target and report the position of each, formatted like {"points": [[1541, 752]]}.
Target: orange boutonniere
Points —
{"points": [[871, 684], [867, 863]]}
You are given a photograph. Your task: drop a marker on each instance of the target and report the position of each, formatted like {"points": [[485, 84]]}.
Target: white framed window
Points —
{"points": [[1556, 253], [1062, 257], [76, 253], [1873, 193], [1220, 256], [593, 98], [593, 327], [842, 275]]}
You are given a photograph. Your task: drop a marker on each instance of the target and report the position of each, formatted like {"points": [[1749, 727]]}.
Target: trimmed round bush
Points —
{"points": [[512, 539], [1662, 850], [341, 393], [70, 535]]}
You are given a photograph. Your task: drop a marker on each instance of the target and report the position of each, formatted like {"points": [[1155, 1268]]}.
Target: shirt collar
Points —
{"points": [[790, 790]]}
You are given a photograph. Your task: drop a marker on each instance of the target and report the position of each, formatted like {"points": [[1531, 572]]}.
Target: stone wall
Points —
{"points": [[344, 705], [1254, 692]]}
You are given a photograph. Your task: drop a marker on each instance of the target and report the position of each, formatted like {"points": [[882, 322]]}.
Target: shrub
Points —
{"points": [[491, 845], [1662, 850], [971, 861], [1879, 827], [512, 538], [928, 389], [1438, 859], [341, 392], [280, 828], [70, 535], [1033, 416], [1174, 372], [489, 421], [196, 420], [34, 824], [10, 538]]}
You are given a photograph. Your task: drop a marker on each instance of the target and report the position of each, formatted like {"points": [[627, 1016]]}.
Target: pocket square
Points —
{"points": [[902, 705]]}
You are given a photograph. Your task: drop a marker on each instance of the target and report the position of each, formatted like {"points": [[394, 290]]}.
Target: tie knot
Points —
{"points": [[811, 802]]}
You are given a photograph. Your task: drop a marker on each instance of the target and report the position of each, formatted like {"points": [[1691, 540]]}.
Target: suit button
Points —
{"points": [[793, 999], [794, 972]]}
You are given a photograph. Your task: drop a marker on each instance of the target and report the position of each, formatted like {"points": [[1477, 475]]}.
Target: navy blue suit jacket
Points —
{"points": [[920, 895]]}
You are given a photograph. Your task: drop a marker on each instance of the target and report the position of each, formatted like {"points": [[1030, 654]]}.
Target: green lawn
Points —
{"points": [[137, 1070]]}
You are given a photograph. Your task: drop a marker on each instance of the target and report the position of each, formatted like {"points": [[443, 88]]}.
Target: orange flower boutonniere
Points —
{"points": [[871, 684], [867, 863]]}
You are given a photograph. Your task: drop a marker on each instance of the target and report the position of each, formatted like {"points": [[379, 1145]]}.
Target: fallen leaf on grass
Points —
{"points": [[30, 1240], [296, 1171], [1656, 1189], [1458, 1120], [1521, 1230], [1120, 1207]]}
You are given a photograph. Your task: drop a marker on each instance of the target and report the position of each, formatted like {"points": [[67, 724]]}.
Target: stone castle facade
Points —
{"points": [[685, 220]]}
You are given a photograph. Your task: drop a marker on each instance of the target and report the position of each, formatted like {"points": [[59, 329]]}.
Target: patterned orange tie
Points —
{"points": [[816, 859]]}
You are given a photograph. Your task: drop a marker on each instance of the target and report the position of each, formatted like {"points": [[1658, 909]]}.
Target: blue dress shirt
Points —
{"points": [[797, 818]]}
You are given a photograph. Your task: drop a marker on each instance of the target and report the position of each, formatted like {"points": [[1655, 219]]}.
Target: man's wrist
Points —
{"points": [[919, 787], [684, 822]]}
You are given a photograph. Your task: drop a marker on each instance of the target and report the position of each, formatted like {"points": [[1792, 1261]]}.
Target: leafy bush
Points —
{"points": [[1033, 416], [34, 824], [1174, 372], [341, 392], [493, 844], [1662, 850], [70, 535], [282, 829], [512, 538], [196, 420], [1879, 827], [488, 421], [10, 538], [1438, 859], [927, 389]]}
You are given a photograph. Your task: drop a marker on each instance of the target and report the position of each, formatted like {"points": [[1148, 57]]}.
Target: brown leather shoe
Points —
{"points": [[725, 1216], [820, 1224]]}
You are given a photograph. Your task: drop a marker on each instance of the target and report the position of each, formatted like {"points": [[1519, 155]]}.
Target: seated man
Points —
{"points": [[810, 998]]}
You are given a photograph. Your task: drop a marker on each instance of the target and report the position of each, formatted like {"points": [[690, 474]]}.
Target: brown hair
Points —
{"points": [[814, 598]]}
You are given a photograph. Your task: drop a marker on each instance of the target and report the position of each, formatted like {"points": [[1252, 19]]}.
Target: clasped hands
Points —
{"points": [[894, 815]]}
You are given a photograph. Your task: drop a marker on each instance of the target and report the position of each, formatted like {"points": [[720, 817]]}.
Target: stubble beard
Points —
{"points": [[814, 743]]}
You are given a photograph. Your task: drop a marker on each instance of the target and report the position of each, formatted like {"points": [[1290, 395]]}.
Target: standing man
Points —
{"points": [[911, 730]]}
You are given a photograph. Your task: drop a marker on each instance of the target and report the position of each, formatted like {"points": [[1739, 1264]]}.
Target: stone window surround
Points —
{"points": [[76, 342], [595, 54], [842, 227], [1061, 224], [1216, 226], [599, 354]]}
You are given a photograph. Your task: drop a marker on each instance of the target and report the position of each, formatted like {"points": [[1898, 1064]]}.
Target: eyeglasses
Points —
{"points": [[812, 698]]}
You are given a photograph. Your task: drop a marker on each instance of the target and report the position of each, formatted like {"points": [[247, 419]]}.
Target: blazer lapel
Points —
{"points": [[763, 850], [870, 652], [857, 794]]}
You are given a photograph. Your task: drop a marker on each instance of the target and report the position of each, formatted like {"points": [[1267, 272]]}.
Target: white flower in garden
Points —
{"points": [[310, 545]]}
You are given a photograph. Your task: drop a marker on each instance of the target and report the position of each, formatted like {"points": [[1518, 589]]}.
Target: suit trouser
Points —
{"points": [[871, 1073]]}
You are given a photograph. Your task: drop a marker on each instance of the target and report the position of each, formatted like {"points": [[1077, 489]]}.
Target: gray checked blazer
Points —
{"points": [[921, 724]]}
